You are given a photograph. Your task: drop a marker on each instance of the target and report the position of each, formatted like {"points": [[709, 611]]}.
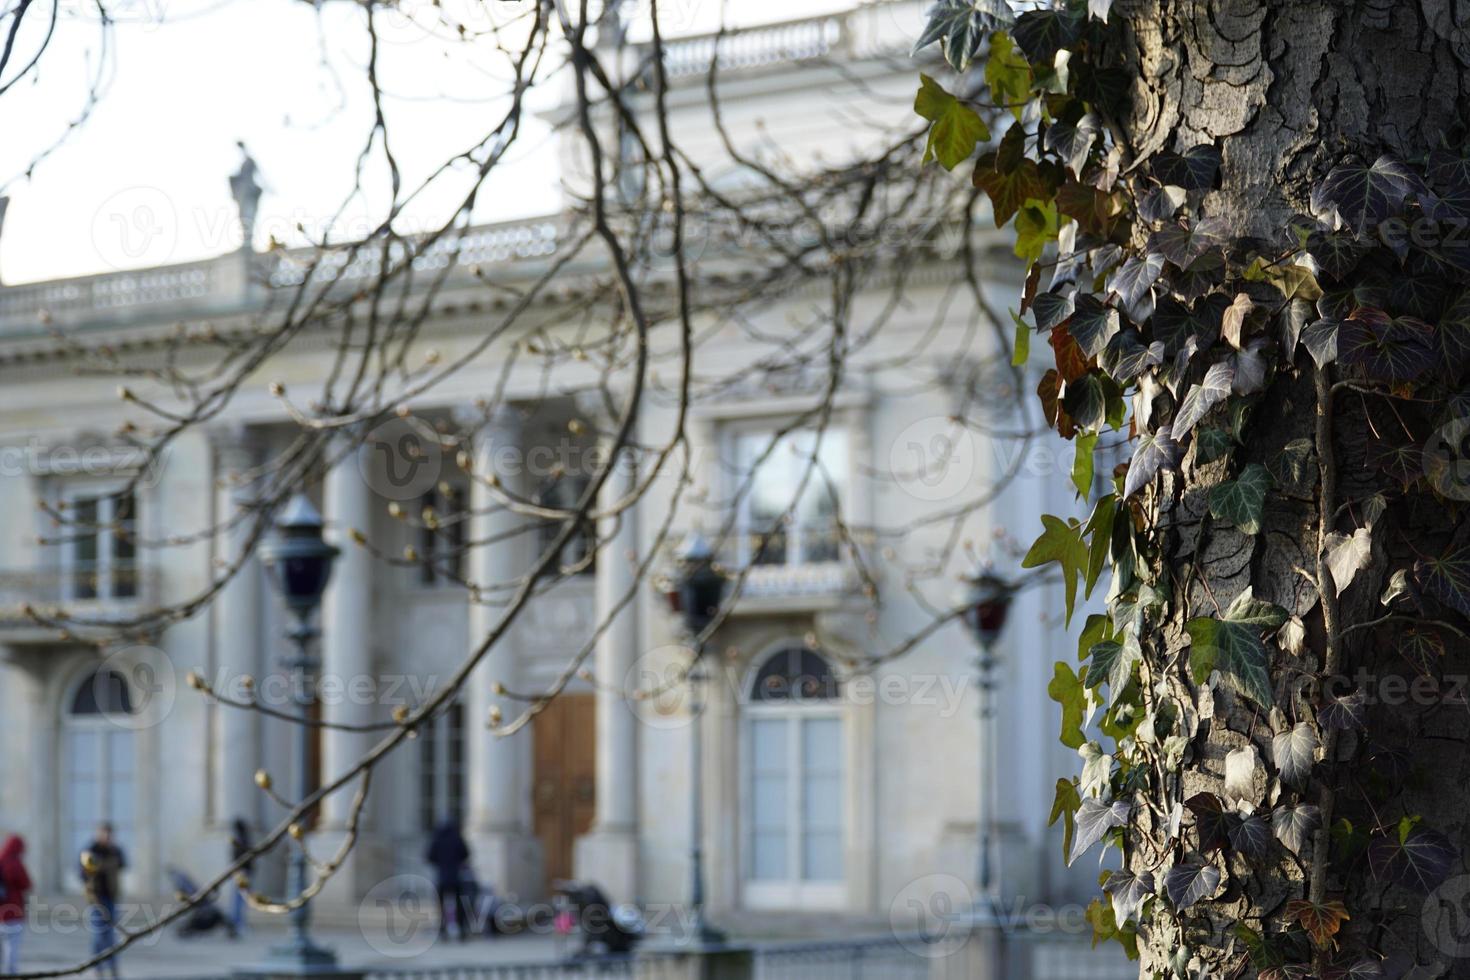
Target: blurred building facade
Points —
{"points": [[849, 801]]}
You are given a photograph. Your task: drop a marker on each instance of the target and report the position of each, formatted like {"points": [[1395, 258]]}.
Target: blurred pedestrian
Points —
{"points": [[239, 847], [15, 883], [102, 865], [449, 855]]}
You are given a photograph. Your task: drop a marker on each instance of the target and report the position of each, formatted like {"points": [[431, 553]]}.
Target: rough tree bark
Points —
{"points": [[1286, 91]]}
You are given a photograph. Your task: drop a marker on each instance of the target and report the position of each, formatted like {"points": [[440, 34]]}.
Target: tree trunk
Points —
{"points": [[1287, 91]]}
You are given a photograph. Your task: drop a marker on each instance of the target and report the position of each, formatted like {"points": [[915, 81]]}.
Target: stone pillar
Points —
{"points": [[608, 854], [238, 640], [506, 855], [347, 667]]}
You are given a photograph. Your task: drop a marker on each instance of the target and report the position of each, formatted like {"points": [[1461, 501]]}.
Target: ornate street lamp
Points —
{"points": [[697, 591], [299, 563], [987, 604]]}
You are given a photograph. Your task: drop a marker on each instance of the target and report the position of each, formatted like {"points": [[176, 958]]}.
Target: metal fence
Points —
{"points": [[856, 959], [601, 968]]}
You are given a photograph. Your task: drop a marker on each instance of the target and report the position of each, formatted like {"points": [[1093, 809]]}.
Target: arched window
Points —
{"points": [[98, 765], [794, 767]]}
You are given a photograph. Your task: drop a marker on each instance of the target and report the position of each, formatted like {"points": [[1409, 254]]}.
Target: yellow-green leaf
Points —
{"points": [[956, 128]]}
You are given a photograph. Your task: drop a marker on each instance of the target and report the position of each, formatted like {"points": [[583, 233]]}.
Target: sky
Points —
{"points": [[144, 179]]}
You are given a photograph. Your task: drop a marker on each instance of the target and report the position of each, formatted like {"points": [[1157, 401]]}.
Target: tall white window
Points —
{"points": [[791, 509], [441, 768], [98, 548], [794, 779], [98, 766]]}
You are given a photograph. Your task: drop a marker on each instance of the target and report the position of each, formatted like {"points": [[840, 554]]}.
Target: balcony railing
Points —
{"points": [[87, 589]]}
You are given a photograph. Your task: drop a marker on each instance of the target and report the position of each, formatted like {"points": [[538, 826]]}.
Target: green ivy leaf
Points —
{"points": [[1085, 443], [956, 128], [1065, 804], [1099, 532], [1236, 651], [1008, 74], [1240, 501], [1061, 542], [1086, 401], [1113, 662], [1021, 351], [1066, 690], [1036, 226], [1212, 444]]}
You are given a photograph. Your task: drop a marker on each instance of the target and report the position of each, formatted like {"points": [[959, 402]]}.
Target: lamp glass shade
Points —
{"points": [[988, 608]]}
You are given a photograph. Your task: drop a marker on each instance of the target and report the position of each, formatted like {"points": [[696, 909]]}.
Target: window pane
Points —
{"points": [[84, 548], [770, 495], [768, 798], [819, 508], [821, 818]]}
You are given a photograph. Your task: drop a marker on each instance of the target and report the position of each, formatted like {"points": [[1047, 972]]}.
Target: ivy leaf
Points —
{"points": [[1394, 349], [1295, 752], [1320, 921], [1251, 836], [1021, 349], [1091, 208], [1194, 170], [1213, 389], [1065, 804], [1447, 578], [1320, 340], [1336, 253], [1008, 192], [1126, 357], [1071, 141], [1236, 651], [1294, 826], [1082, 462], [1092, 325], [1362, 197], [1061, 542], [1249, 610], [1050, 309], [1188, 883], [1240, 501], [1138, 274], [962, 26], [1099, 9], [1066, 690], [1161, 202], [1343, 713], [1094, 819], [1250, 368], [1128, 892], [1201, 275], [1085, 400], [1041, 33], [1347, 554], [1241, 767], [1156, 451], [1421, 859], [1174, 323], [1212, 444], [1007, 73], [1209, 821], [1183, 244], [1113, 662], [1454, 334], [1364, 969], [1036, 226], [1099, 531], [956, 127]]}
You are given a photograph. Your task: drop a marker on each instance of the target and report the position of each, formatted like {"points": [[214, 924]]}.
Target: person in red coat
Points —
{"points": [[15, 884]]}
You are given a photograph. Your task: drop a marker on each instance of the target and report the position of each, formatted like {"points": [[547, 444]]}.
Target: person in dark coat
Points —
{"points": [[239, 847], [15, 884], [102, 864], [449, 855]]}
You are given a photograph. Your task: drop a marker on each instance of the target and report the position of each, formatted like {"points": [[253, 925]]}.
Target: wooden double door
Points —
{"points": [[564, 778]]}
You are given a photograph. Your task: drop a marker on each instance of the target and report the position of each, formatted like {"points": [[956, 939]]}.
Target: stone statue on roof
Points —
{"points": [[245, 188]]}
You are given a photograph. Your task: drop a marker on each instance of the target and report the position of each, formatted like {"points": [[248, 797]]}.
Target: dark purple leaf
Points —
{"points": [[1126, 356], [1051, 308], [1138, 274], [1213, 389], [1194, 170], [1092, 325], [1041, 33], [1337, 253], [1155, 451], [1344, 713], [1250, 836], [1386, 348], [1210, 821], [1183, 244], [1363, 197], [1421, 861], [1447, 578], [1188, 883]]}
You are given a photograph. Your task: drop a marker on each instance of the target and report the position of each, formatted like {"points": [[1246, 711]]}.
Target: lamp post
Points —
{"points": [[698, 590], [299, 563], [987, 605]]}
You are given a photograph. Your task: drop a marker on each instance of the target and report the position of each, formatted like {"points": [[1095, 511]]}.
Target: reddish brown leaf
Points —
{"points": [[1071, 362], [1321, 921]]}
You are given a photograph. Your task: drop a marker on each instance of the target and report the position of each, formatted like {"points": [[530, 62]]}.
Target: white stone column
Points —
{"points": [[506, 855], [347, 630], [608, 854], [238, 636]]}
